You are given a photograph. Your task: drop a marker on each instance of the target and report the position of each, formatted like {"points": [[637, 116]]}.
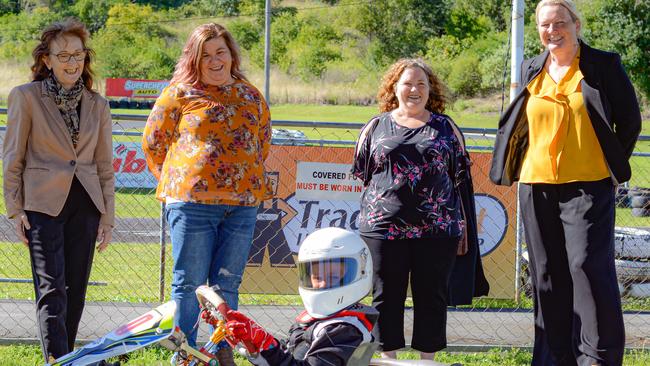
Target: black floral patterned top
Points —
{"points": [[410, 175]]}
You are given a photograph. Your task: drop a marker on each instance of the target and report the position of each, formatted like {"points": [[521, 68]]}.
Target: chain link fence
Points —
{"points": [[134, 274]]}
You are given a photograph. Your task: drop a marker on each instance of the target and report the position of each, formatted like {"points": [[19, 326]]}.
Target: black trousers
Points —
{"points": [[429, 263], [570, 239], [61, 250]]}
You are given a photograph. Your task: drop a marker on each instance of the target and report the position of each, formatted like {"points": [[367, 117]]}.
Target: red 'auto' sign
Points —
{"points": [[134, 88]]}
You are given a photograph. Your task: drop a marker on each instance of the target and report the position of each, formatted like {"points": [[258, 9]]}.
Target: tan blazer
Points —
{"points": [[39, 160]]}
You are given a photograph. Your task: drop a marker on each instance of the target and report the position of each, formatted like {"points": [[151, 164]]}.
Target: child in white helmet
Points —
{"points": [[335, 270]]}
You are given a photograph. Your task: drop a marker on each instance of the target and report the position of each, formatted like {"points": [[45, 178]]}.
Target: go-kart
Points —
{"points": [[157, 327]]}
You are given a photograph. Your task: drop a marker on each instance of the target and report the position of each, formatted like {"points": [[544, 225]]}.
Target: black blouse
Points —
{"points": [[410, 175]]}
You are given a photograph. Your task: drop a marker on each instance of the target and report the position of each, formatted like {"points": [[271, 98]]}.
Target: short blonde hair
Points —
{"points": [[387, 98], [569, 5]]}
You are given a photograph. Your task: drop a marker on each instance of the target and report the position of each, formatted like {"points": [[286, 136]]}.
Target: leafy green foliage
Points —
{"points": [[19, 32], [134, 45], [93, 13], [339, 41], [9, 6], [464, 23], [246, 33], [301, 44], [622, 26], [400, 28], [210, 7], [465, 76]]}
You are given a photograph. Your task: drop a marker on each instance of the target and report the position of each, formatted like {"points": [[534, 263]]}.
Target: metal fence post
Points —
{"points": [[518, 248], [163, 246]]}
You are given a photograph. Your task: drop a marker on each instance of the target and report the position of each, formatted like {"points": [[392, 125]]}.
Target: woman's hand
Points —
{"points": [[104, 235], [22, 224], [463, 245]]}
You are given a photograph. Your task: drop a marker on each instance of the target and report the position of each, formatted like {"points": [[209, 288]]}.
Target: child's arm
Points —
{"points": [[244, 330]]}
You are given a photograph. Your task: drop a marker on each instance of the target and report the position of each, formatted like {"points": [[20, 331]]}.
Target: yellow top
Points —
{"points": [[562, 144]]}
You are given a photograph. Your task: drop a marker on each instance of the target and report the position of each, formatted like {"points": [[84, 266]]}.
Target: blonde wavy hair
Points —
{"points": [[187, 69], [569, 5], [386, 95]]}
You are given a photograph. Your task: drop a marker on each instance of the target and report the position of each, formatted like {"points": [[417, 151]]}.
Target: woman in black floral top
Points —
{"points": [[410, 160]]}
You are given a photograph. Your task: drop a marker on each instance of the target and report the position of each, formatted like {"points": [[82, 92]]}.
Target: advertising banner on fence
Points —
{"points": [[130, 167], [134, 88], [314, 189]]}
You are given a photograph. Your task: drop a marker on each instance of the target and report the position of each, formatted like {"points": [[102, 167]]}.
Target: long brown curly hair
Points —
{"points": [[386, 95], [68, 27], [188, 69]]}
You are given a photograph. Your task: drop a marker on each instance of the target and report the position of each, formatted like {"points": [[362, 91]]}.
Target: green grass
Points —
{"points": [[130, 272], [136, 203], [30, 355]]}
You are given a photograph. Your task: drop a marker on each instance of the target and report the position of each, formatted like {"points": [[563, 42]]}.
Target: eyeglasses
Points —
{"points": [[65, 57]]}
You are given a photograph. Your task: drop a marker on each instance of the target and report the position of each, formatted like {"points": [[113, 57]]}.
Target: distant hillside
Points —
{"points": [[329, 51]]}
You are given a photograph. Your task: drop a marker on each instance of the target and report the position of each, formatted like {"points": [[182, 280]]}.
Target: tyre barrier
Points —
{"points": [[632, 250], [631, 243], [632, 253], [630, 272], [131, 104], [639, 201], [622, 200]]}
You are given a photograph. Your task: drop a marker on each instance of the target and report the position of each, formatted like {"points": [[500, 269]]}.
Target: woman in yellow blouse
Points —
{"points": [[567, 138], [205, 141]]}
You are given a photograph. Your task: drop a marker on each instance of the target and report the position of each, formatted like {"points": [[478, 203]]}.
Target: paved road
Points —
{"points": [[465, 329]]}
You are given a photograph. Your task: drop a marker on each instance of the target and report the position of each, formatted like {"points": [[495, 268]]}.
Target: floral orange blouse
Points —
{"points": [[207, 144]]}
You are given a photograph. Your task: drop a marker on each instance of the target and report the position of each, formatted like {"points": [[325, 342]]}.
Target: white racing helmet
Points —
{"points": [[335, 270]]}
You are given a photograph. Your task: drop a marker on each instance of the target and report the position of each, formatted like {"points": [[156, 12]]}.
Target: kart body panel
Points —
{"points": [[149, 328]]}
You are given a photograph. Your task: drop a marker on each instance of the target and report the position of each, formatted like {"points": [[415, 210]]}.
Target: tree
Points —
{"points": [[622, 26], [19, 32], [134, 45], [9, 7], [400, 28], [93, 13]]}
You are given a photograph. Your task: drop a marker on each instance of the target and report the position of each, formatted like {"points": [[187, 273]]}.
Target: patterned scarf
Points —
{"points": [[67, 102]]}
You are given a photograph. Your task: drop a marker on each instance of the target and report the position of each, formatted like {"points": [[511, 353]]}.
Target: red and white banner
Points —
{"points": [[134, 88], [130, 166]]}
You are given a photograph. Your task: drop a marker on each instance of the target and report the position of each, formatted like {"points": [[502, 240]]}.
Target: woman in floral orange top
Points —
{"points": [[206, 141]]}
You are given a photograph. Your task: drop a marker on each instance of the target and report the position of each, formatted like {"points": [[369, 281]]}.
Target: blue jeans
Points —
{"points": [[209, 243]]}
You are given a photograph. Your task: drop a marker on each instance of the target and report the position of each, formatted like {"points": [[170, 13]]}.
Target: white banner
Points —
{"points": [[130, 166], [326, 181]]}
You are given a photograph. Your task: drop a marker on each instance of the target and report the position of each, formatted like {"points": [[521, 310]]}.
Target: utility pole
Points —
{"points": [[517, 56], [267, 51], [517, 51]]}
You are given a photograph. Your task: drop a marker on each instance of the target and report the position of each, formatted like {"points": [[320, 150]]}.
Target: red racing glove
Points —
{"points": [[244, 330]]}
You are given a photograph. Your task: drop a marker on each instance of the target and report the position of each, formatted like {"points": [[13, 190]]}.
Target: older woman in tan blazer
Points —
{"points": [[58, 178]]}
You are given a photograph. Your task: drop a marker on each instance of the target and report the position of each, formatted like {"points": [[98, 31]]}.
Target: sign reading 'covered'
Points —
{"points": [[326, 181]]}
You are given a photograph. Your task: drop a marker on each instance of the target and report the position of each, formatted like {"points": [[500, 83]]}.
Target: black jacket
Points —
{"points": [[467, 277], [611, 105]]}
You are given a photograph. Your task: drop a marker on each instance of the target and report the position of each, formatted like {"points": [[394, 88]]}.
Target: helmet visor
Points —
{"points": [[327, 273]]}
